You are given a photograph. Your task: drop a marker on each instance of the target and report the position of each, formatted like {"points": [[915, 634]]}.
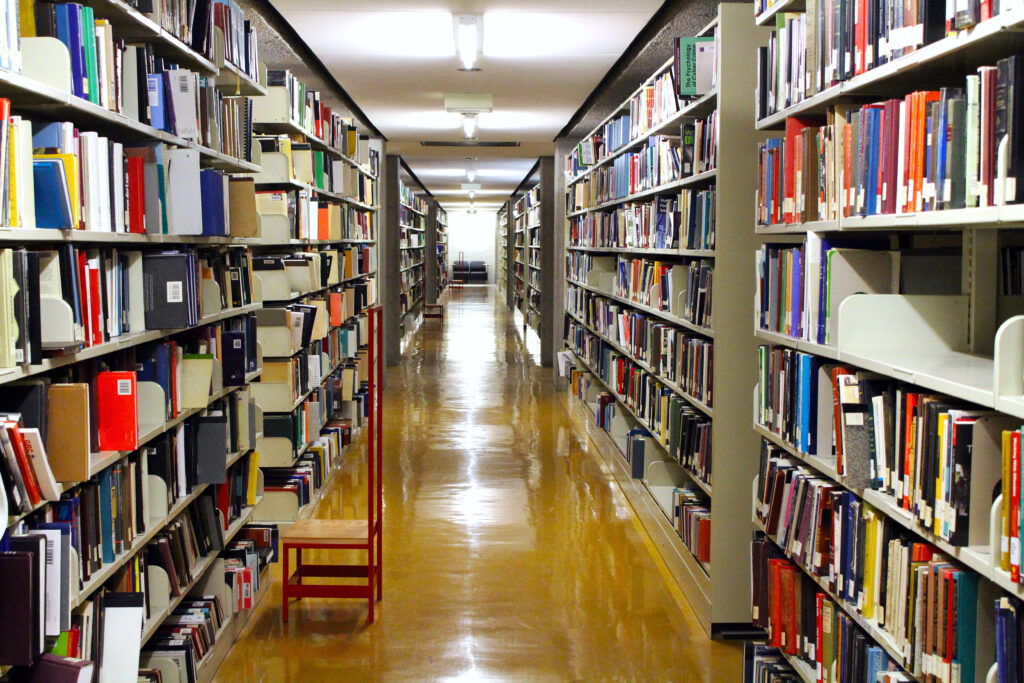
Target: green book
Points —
{"points": [[318, 170], [688, 70], [89, 49]]}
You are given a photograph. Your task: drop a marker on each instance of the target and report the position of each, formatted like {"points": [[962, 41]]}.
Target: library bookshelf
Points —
{"points": [[717, 586], [107, 239], [440, 262], [943, 326], [409, 255], [529, 251], [111, 332], [501, 248]]}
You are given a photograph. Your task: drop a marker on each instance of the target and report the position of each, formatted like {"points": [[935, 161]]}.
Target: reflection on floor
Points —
{"points": [[510, 553]]}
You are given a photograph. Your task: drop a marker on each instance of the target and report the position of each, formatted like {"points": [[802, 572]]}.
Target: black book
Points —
{"points": [[166, 291], [211, 450], [233, 357]]}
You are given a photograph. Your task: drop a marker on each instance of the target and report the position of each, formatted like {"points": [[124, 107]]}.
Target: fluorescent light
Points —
{"points": [[470, 175], [469, 126], [467, 39], [472, 194]]}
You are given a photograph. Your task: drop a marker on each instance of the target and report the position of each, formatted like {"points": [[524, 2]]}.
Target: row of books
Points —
{"points": [[693, 73], [241, 46], [887, 158], [410, 259], [317, 168], [651, 224], [876, 569], [408, 197], [807, 624], [684, 432], [68, 298], [658, 163], [676, 355], [99, 521], [801, 287], [691, 516], [64, 178], [913, 446], [313, 467], [683, 290], [308, 111], [833, 41]]}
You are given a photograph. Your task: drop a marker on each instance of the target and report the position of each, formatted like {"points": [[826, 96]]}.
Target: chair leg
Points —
{"points": [[298, 567], [371, 577], [380, 566], [284, 587]]}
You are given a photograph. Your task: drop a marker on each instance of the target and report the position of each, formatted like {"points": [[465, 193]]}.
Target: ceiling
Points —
{"points": [[540, 60]]}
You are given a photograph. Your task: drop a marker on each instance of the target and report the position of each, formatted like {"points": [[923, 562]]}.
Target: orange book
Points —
{"points": [[323, 222]]}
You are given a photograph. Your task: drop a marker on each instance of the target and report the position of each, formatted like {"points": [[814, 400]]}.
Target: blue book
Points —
{"points": [[79, 74], [823, 293], [157, 368], [107, 515], [52, 198], [1001, 668], [871, 199], [211, 187], [47, 135], [157, 111], [807, 416]]}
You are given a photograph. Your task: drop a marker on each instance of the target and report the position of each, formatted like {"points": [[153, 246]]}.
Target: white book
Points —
{"points": [[103, 183], [184, 206], [117, 176], [123, 615], [26, 185], [183, 103]]}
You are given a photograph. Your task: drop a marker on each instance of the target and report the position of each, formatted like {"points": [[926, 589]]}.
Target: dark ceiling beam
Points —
{"points": [[275, 21]]}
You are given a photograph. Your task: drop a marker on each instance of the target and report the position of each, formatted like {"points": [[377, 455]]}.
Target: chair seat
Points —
{"points": [[327, 531]]}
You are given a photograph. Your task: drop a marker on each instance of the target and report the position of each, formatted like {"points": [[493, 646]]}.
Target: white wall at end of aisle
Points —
{"points": [[472, 234]]}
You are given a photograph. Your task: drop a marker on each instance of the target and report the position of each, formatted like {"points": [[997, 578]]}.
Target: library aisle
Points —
{"points": [[510, 552]]}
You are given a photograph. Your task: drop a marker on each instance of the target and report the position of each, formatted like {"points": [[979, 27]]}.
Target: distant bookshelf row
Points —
{"points": [[526, 253]]}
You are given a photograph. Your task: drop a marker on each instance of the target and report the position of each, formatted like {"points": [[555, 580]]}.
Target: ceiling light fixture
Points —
{"points": [[469, 125], [472, 195], [467, 40], [470, 175]]}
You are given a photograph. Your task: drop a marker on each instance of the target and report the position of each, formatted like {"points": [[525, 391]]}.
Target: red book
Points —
{"points": [[837, 417], [224, 502], [985, 9], [861, 37], [136, 195], [775, 568], [794, 129], [95, 307], [83, 294], [1015, 507], [118, 418], [788, 580], [13, 445]]}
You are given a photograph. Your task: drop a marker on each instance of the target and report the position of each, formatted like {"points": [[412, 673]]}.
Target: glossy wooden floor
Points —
{"points": [[510, 553]]}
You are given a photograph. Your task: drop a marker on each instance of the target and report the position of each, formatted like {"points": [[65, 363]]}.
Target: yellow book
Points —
{"points": [[254, 473], [870, 561], [1004, 539], [14, 218], [27, 18]]}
